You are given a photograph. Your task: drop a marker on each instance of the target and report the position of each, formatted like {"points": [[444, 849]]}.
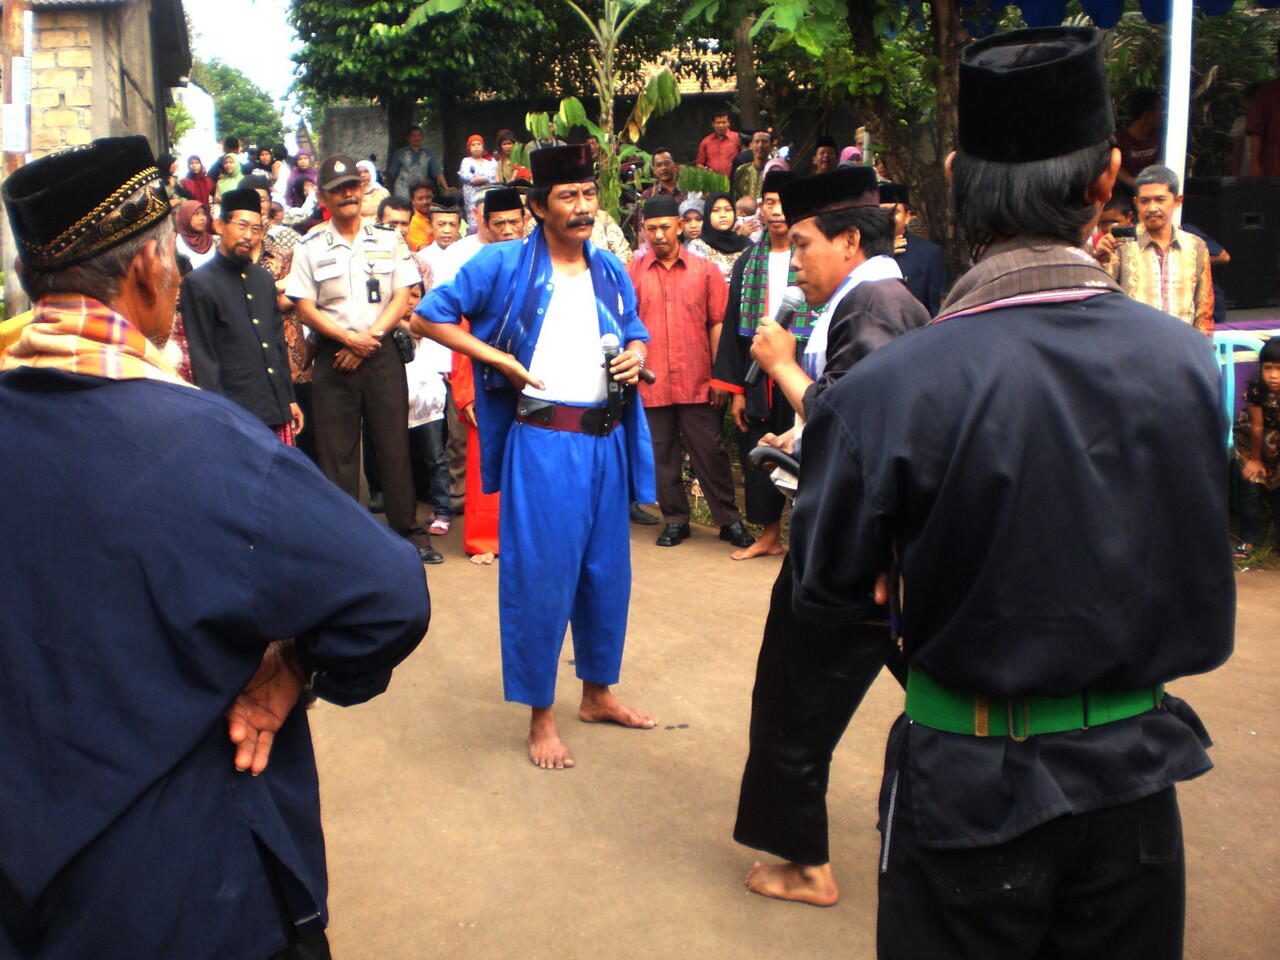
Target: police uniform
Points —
{"points": [[1006, 461], [351, 283]]}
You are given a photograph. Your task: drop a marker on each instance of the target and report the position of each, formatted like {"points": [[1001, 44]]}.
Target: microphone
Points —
{"points": [[609, 347], [613, 389], [792, 301]]}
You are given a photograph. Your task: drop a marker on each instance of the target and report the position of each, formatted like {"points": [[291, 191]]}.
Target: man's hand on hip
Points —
{"points": [[263, 706]]}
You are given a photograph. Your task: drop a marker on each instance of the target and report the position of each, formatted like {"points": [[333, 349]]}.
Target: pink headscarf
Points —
{"points": [[851, 155]]}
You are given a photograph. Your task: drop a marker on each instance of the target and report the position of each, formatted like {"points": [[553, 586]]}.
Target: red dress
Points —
{"points": [[480, 509]]}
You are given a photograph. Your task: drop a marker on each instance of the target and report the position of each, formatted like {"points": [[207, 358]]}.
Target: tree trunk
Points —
{"points": [[909, 160], [745, 61]]}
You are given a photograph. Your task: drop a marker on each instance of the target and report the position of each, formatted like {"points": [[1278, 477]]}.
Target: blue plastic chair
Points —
{"points": [[1226, 343]]}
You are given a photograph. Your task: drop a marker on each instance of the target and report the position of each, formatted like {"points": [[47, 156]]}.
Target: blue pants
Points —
{"points": [[566, 558], [430, 467]]}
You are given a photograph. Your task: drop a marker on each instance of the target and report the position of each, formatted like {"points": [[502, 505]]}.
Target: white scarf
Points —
{"points": [[882, 267]]}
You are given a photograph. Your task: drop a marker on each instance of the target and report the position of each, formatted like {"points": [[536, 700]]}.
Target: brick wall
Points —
{"points": [[61, 81]]}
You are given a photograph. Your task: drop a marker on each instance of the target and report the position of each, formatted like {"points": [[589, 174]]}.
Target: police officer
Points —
{"points": [[350, 281]]}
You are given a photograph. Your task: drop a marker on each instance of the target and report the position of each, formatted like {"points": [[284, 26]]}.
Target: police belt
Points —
{"points": [[931, 704], [595, 421]]}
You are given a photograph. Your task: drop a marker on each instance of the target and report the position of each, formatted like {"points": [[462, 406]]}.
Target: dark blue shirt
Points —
{"points": [[156, 539], [1051, 478], [924, 268]]}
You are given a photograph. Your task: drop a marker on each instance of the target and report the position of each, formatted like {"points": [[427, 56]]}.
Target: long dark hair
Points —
{"points": [[1044, 198]]}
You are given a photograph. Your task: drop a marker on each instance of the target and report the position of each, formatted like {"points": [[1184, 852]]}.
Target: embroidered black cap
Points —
{"points": [[73, 205]]}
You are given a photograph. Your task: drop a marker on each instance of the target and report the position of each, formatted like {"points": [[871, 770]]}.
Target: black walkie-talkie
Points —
{"points": [[374, 290]]}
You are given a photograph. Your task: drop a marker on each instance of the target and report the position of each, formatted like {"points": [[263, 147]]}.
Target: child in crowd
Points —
{"points": [[691, 218], [1257, 445], [748, 224], [427, 428]]}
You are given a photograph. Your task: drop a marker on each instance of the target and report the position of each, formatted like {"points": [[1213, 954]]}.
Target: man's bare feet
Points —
{"points": [[546, 749], [760, 548], [484, 559], [599, 705], [794, 881], [769, 544]]}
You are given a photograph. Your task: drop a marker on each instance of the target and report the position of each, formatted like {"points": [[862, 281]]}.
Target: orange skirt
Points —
{"points": [[480, 509]]}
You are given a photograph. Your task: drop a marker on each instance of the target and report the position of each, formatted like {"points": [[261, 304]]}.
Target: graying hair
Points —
{"points": [[98, 277], [1157, 174]]}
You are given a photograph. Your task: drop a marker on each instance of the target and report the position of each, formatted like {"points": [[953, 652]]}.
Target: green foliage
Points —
{"points": [[1229, 54], [180, 121], [460, 49], [698, 180], [244, 109]]}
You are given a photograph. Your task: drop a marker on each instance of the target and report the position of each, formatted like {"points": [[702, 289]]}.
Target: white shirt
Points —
{"points": [[458, 253], [197, 259], [779, 274], [567, 357], [881, 267], [437, 258]]}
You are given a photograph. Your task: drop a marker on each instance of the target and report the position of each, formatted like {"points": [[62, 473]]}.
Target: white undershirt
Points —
{"points": [[567, 357], [779, 273]]}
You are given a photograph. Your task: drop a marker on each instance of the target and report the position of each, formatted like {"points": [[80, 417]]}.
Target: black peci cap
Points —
{"points": [[1032, 95], [553, 165], [828, 192]]}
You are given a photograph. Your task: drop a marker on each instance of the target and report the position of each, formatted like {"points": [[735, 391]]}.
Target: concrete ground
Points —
{"points": [[444, 841]]}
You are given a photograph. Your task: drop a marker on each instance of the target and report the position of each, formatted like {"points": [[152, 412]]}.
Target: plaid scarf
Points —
{"points": [[79, 334], [755, 296]]}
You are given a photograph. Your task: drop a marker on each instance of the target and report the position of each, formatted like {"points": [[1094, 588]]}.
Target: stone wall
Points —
{"points": [[92, 75], [62, 80]]}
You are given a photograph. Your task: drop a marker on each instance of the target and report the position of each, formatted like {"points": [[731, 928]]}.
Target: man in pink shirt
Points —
{"points": [[720, 147], [681, 299]]}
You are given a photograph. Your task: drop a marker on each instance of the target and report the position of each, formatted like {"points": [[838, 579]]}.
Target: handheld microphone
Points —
{"points": [[609, 346], [613, 389], [792, 301]]}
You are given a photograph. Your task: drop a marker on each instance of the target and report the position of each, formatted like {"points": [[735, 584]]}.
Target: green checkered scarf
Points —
{"points": [[755, 295]]}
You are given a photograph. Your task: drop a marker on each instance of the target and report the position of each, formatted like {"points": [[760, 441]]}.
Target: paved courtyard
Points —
{"points": [[445, 842]]}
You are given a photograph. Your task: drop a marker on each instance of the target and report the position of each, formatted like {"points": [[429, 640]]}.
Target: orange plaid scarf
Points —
{"points": [[79, 334]]}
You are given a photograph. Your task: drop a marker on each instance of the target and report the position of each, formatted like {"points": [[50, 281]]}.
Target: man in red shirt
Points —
{"points": [[681, 299], [1263, 127], [719, 148], [1139, 142]]}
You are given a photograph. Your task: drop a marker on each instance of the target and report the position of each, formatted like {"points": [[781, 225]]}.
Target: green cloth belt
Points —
{"points": [[933, 705]]}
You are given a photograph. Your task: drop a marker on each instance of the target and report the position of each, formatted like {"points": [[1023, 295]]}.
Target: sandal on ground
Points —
{"points": [[439, 527], [1241, 551]]}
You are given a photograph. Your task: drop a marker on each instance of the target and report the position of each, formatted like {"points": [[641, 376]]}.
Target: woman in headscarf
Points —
{"points": [[718, 241], [198, 184], [851, 155], [229, 175], [195, 232], [177, 193], [302, 170], [478, 169], [374, 192]]}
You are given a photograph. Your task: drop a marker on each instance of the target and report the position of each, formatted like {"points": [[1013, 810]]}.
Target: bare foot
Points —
{"points": [[761, 548], [794, 881], [546, 749], [484, 559], [601, 706]]}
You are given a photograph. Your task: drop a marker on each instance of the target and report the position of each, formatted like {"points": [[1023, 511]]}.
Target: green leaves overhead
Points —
{"points": [[244, 109]]}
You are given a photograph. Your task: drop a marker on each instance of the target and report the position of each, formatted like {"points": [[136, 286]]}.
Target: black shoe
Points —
{"points": [[736, 534], [642, 517], [672, 534], [376, 504], [428, 555]]}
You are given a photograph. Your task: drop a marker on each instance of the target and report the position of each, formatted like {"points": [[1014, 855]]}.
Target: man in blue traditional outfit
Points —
{"points": [[173, 579], [558, 439]]}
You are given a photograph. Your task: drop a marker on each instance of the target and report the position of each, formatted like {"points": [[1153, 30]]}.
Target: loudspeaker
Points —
{"points": [[1242, 214]]}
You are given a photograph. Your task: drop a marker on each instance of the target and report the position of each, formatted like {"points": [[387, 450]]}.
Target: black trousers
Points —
{"points": [[764, 502], [1109, 883], [306, 440], [810, 679], [699, 426], [376, 393]]}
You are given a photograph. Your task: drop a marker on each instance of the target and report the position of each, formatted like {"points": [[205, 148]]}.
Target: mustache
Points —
{"points": [[581, 222]]}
